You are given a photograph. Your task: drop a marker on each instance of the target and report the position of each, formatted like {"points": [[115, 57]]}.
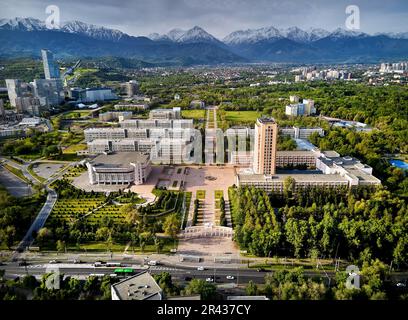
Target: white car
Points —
{"points": [[209, 279], [401, 285], [200, 268], [230, 277]]}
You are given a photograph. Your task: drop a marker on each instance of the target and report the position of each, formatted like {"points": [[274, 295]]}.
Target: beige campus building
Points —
{"points": [[330, 169], [266, 138]]}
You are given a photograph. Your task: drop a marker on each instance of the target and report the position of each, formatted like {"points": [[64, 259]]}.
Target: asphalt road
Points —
{"points": [[241, 276], [13, 184], [180, 274]]}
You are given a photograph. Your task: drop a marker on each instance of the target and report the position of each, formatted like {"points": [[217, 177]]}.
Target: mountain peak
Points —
{"points": [[194, 35]]}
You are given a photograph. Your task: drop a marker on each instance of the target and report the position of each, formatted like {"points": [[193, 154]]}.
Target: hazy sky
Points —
{"points": [[219, 17]]}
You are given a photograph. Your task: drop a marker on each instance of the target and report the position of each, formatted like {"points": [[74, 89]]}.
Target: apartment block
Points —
{"points": [[266, 135]]}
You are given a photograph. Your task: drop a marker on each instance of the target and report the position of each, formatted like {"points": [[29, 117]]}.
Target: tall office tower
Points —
{"points": [[16, 88], [51, 70], [266, 138]]}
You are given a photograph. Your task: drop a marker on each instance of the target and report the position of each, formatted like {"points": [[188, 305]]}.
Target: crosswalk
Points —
{"points": [[162, 268]]}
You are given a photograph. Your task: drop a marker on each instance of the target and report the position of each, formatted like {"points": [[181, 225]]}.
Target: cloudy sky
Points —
{"points": [[219, 17]]}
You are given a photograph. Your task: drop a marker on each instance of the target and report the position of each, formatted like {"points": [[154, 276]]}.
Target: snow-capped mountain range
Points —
{"points": [[78, 27], [195, 34], [195, 45]]}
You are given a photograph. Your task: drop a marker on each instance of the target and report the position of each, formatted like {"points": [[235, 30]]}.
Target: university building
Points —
{"points": [[331, 169], [119, 168]]}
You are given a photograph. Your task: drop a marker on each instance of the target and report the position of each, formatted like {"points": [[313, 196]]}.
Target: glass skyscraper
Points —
{"points": [[51, 70]]}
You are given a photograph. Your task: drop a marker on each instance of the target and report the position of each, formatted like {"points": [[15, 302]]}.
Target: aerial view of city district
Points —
{"points": [[252, 152]]}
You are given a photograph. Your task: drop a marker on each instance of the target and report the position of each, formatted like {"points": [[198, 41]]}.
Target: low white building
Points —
{"points": [[119, 168], [300, 133], [115, 115], [138, 287], [162, 114]]}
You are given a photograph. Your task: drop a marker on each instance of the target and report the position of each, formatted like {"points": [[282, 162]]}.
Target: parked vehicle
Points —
{"points": [[200, 268], [230, 277]]}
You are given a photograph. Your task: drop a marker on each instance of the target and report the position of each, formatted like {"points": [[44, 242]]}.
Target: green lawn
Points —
{"points": [[76, 114], [193, 114], [242, 116], [219, 194], [75, 147], [200, 194]]}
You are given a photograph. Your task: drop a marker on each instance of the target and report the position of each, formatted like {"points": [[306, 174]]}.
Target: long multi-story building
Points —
{"points": [[154, 133], [104, 133], [119, 168], [295, 158], [300, 133], [124, 145], [163, 123], [331, 169], [306, 108], [92, 94], [266, 137], [115, 115]]}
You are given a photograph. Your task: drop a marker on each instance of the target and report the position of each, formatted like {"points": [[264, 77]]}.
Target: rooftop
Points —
{"points": [[266, 120], [139, 287], [296, 153], [120, 159], [299, 177]]}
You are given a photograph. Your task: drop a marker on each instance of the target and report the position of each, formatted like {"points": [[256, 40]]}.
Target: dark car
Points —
{"points": [[260, 270], [23, 263], [187, 278]]}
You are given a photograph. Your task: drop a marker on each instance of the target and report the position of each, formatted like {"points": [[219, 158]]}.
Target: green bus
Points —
{"points": [[124, 271]]}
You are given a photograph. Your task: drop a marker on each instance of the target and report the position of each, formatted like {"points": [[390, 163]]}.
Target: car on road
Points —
{"points": [[200, 268], [210, 279], [99, 263], [230, 277], [401, 285], [152, 263], [23, 263], [53, 261], [188, 278], [260, 270], [75, 261]]}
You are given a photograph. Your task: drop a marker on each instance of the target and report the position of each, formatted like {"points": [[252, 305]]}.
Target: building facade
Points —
{"points": [[266, 137], [165, 114], [119, 169], [51, 69]]}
